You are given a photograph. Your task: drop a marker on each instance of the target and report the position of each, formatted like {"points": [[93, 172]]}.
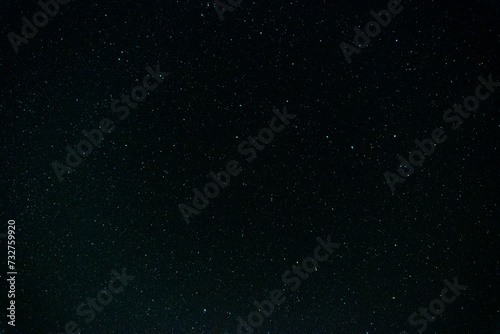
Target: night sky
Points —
{"points": [[322, 175]]}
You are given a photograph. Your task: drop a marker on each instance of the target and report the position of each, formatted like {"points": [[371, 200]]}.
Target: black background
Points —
{"points": [[322, 175]]}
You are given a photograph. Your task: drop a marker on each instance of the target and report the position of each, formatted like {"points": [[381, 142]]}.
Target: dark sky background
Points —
{"points": [[324, 174]]}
